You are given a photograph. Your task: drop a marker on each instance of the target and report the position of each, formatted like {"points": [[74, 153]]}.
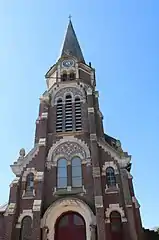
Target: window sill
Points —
{"points": [[69, 191], [28, 195], [112, 189]]}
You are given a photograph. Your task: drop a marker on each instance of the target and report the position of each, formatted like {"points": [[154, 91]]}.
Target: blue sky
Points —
{"points": [[121, 40]]}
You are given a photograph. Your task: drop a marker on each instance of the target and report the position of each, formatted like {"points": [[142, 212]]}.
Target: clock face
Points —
{"points": [[68, 63]]}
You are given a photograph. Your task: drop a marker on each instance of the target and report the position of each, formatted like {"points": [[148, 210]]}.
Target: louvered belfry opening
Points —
{"points": [[59, 115], [78, 120], [68, 114]]}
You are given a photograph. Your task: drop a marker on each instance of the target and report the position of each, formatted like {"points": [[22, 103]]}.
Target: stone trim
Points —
{"points": [[122, 160], [28, 197], [60, 92], [109, 164], [25, 213], [44, 99], [93, 137], [117, 208], [38, 176], [115, 189], [98, 201], [20, 164], [15, 181], [90, 109], [10, 209], [64, 205], [76, 147], [42, 142], [44, 115], [89, 91], [18, 225], [96, 172], [37, 205]]}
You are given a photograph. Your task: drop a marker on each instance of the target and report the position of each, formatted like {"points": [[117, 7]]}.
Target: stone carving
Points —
{"points": [[69, 149], [74, 91], [22, 153]]}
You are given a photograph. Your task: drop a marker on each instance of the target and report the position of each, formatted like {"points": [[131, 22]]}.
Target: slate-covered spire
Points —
{"points": [[71, 45]]}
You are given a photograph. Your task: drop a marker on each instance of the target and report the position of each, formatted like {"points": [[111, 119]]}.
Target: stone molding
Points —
{"points": [[96, 172], [42, 142], [93, 137], [109, 190], [37, 205], [64, 205], [90, 109], [122, 161], [98, 201], [44, 115], [20, 164], [62, 90], [115, 207], [89, 91], [68, 147], [45, 99], [38, 176], [10, 209], [14, 182], [109, 164], [25, 213]]}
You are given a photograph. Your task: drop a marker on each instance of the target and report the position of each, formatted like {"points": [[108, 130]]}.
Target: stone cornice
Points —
{"points": [[21, 162], [122, 160]]}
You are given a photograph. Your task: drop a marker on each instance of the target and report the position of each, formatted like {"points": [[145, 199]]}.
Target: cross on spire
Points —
{"points": [[69, 17]]}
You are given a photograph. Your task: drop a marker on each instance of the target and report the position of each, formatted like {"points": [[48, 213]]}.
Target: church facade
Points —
{"points": [[75, 183]]}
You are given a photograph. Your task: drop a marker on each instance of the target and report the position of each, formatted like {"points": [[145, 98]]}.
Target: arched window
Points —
{"points": [[68, 113], [116, 226], [62, 173], [78, 120], [72, 76], [76, 172], [110, 177], [59, 112], [26, 228], [30, 183], [64, 77]]}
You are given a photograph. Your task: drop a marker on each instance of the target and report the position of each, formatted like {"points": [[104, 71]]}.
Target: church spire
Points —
{"points": [[71, 45]]}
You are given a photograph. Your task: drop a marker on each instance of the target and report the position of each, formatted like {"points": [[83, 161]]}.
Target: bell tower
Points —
{"points": [[75, 182]]}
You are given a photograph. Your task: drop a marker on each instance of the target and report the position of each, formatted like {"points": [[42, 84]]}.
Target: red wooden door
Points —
{"points": [[70, 226]]}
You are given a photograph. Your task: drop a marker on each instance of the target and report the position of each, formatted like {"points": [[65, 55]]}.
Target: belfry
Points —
{"points": [[75, 183]]}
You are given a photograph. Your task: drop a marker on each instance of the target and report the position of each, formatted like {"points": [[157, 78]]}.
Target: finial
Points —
{"points": [[69, 17]]}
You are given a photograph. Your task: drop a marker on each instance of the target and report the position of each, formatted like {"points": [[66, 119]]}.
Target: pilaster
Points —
{"points": [[100, 216]]}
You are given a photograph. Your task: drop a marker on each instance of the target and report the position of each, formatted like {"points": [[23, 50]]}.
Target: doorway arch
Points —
{"points": [[62, 206], [70, 225]]}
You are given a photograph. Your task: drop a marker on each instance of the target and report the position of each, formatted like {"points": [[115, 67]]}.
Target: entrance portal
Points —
{"points": [[70, 226]]}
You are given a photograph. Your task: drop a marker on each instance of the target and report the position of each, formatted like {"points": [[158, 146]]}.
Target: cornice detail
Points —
{"points": [[22, 161], [122, 160]]}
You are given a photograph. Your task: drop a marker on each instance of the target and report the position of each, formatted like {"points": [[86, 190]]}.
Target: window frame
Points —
{"points": [[110, 177]]}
